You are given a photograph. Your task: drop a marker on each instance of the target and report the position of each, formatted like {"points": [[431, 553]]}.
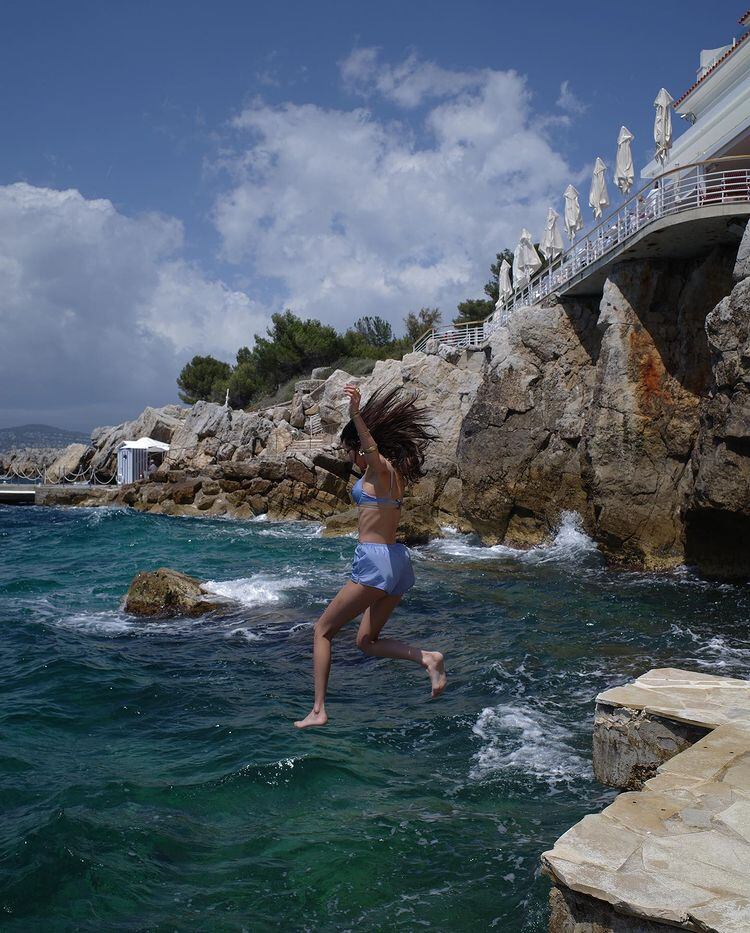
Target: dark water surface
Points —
{"points": [[150, 778]]}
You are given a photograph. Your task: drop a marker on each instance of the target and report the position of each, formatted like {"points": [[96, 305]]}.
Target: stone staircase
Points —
{"points": [[312, 442]]}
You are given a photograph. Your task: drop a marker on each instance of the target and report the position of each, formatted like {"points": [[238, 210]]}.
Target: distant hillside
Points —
{"points": [[39, 435]]}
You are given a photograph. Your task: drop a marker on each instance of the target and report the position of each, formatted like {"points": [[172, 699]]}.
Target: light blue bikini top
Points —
{"points": [[365, 500]]}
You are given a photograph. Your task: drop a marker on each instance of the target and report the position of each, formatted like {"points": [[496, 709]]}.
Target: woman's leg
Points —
{"points": [[352, 599], [368, 640]]}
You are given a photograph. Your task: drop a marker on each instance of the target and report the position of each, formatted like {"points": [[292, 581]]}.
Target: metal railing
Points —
{"points": [[697, 185]]}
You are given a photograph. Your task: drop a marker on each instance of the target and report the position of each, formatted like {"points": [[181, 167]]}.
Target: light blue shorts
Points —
{"points": [[384, 566]]}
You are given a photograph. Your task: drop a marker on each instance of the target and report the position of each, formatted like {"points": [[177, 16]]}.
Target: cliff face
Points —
{"points": [[718, 509], [616, 411], [632, 410]]}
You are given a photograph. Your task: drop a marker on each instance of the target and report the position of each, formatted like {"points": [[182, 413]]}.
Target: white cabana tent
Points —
{"points": [[504, 287], [526, 261], [663, 124], [624, 172], [133, 458], [551, 244], [598, 197], [573, 218]]}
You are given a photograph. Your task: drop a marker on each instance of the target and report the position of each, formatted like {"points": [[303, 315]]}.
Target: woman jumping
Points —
{"points": [[386, 441]]}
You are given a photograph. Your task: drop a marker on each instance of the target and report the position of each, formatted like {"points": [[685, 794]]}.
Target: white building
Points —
{"points": [[716, 105]]}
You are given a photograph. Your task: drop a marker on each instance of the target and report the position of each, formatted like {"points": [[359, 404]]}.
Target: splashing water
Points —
{"points": [[149, 769]]}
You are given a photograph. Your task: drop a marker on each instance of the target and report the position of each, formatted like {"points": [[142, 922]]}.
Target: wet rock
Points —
{"points": [[718, 511], [183, 493], [418, 524], [340, 466], [594, 408], [166, 592], [342, 523], [301, 469], [629, 745]]}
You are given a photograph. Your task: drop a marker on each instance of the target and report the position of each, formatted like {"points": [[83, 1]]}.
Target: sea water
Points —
{"points": [[151, 779]]}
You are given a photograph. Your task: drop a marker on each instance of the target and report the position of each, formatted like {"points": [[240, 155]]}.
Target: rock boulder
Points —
{"points": [[166, 592]]}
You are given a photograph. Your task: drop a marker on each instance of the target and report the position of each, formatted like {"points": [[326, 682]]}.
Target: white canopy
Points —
{"points": [[573, 219], [663, 124], [504, 287], [624, 172], [146, 443], [598, 197], [525, 260], [551, 244]]}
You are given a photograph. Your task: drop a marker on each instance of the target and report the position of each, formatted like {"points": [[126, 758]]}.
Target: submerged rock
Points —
{"points": [[166, 592]]}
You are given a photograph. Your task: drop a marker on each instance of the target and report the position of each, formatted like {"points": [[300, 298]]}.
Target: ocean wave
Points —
{"points": [[715, 651], [114, 623], [570, 544], [519, 737], [258, 590], [292, 530]]}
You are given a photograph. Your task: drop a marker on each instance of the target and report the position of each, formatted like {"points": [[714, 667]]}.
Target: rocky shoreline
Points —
{"points": [[632, 410]]}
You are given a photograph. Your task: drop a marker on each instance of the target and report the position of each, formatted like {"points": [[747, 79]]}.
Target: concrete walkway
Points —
{"points": [[677, 853]]}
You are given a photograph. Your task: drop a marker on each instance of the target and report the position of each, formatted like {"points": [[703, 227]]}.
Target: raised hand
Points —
{"points": [[352, 391]]}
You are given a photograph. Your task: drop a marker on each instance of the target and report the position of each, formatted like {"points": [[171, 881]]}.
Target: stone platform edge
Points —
{"points": [[676, 852]]}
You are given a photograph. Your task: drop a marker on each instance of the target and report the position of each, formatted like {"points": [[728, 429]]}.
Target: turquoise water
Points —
{"points": [[151, 780]]}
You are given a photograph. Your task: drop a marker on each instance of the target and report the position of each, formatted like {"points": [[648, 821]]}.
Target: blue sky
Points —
{"points": [[171, 173]]}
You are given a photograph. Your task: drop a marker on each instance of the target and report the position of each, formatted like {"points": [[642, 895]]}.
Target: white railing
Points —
{"points": [[692, 186]]}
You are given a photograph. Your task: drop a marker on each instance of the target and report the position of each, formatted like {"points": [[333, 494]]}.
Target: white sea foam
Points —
{"points": [[292, 530], [111, 622], [714, 651], [570, 543], [245, 633], [258, 590], [519, 737]]}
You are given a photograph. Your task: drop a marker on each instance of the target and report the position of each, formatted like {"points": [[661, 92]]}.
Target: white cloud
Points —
{"points": [[99, 311], [354, 215], [569, 101], [408, 83]]}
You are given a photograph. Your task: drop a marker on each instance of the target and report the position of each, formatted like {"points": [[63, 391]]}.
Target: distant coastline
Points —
{"points": [[40, 435]]}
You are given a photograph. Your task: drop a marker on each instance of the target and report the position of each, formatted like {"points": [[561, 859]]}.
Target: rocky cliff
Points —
{"points": [[629, 410]]}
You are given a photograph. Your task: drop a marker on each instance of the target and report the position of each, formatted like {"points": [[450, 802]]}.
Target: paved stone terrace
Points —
{"points": [[677, 852]]}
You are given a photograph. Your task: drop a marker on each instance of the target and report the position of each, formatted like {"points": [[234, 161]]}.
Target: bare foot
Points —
{"points": [[436, 670], [312, 719]]}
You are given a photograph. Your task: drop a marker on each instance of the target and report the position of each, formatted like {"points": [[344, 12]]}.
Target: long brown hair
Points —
{"points": [[399, 427]]}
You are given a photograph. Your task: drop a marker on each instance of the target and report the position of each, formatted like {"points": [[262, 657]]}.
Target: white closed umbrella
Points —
{"points": [[663, 124], [504, 287], [551, 244], [624, 172], [526, 260], [598, 197], [573, 218]]}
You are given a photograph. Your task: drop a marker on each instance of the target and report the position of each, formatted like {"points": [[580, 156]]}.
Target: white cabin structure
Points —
{"points": [[716, 105], [699, 197]]}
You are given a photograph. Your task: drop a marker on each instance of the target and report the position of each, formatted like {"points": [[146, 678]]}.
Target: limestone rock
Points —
{"points": [[280, 438], [166, 592], [333, 404], [572, 912], [742, 263], [342, 523], [159, 423], [718, 512], [212, 433], [418, 524], [596, 411], [629, 745], [518, 452]]}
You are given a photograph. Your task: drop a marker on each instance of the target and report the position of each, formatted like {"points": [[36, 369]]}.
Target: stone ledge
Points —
{"points": [[677, 853]]}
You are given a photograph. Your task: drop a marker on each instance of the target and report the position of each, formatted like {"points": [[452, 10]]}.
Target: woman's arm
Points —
{"points": [[368, 446]]}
